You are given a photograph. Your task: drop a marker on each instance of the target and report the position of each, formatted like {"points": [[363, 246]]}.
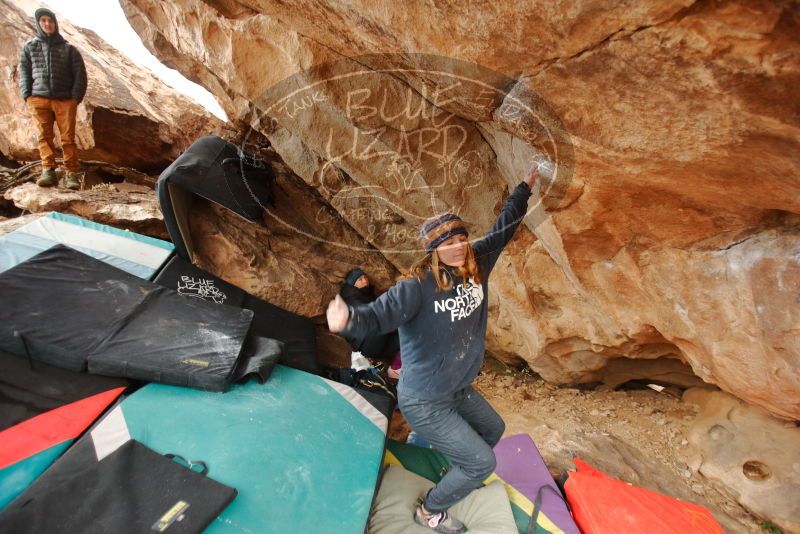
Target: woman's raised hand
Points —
{"points": [[338, 313], [532, 175]]}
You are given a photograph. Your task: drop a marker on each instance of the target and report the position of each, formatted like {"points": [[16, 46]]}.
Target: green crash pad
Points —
{"points": [[303, 452]]}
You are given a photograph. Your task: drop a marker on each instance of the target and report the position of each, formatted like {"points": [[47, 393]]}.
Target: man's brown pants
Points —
{"points": [[46, 111]]}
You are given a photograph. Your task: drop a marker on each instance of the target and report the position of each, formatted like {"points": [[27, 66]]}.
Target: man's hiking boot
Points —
{"points": [[439, 522], [48, 178], [72, 181]]}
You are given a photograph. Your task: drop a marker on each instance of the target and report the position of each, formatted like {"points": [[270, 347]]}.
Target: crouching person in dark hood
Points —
{"points": [[356, 290], [52, 81]]}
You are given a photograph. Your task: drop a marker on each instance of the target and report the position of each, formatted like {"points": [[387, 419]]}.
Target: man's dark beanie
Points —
{"points": [[43, 11], [353, 275]]}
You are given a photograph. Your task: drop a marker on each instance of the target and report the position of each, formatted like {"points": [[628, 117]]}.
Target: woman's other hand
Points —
{"points": [[338, 314]]}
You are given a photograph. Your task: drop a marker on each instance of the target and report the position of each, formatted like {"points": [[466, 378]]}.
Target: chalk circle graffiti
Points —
{"points": [[390, 140]]}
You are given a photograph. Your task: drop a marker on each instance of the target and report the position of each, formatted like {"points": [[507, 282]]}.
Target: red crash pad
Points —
{"points": [[605, 505]]}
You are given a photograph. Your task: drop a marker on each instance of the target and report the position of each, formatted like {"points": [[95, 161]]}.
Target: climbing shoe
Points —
{"points": [[72, 182], [439, 522], [48, 178]]}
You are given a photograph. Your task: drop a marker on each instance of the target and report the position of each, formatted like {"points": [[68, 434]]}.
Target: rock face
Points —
{"points": [[125, 206], [672, 227], [748, 454], [274, 262], [129, 117]]}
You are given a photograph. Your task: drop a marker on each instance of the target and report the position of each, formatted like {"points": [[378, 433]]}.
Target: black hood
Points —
{"points": [[353, 275], [355, 296], [56, 37]]}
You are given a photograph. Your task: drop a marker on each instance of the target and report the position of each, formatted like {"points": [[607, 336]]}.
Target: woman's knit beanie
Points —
{"points": [[439, 229]]}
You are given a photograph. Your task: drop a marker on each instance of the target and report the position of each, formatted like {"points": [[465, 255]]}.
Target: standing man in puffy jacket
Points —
{"points": [[52, 81]]}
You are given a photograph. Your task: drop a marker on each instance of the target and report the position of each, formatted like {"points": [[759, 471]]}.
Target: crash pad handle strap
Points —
{"points": [[537, 506], [18, 334], [190, 463], [245, 160]]}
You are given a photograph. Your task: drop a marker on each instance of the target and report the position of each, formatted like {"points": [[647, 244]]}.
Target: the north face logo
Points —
{"points": [[468, 298]]}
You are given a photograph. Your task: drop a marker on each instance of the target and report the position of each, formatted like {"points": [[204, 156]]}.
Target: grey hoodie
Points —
{"points": [[442, 333]]}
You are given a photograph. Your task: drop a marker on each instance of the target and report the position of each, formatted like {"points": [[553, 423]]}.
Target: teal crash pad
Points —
{"points": [[303, 452]]}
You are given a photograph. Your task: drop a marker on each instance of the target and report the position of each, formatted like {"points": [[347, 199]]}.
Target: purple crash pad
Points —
{"points": [[520, 465]]}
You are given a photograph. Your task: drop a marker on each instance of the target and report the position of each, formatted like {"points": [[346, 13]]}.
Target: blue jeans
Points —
{"points": [[463, 427]]}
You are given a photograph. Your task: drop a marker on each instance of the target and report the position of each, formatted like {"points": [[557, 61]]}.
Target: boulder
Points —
{"points": [[672, 228], [124, 206], [748, 454]]}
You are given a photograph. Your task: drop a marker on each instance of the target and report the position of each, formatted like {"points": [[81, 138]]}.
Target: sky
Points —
{"points": [[106, 18]]}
